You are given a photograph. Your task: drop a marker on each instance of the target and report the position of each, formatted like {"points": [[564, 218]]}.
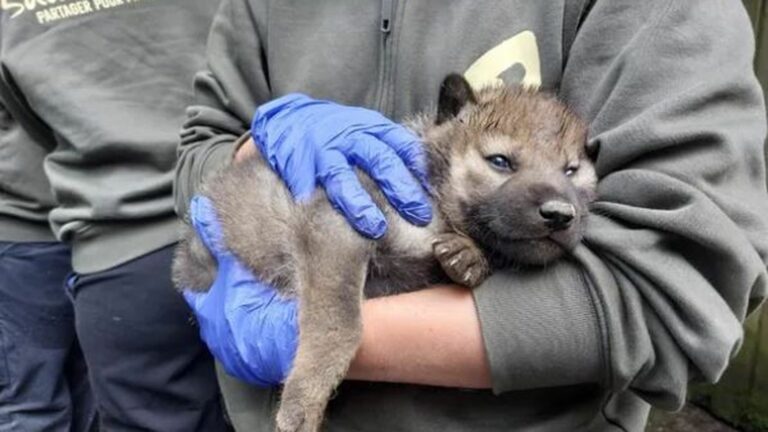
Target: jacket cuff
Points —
{"points": [[540, 328], [189, 179]]}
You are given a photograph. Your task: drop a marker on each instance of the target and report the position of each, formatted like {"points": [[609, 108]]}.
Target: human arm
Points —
{"points": [[226, 94], [429, 337], [674, 252]]}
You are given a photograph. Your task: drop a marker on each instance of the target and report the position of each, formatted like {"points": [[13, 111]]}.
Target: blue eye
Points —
{"points": [[571, 170], [500, 162]]}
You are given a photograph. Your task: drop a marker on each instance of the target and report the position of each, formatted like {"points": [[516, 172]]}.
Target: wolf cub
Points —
{"points": [[511, 177]]}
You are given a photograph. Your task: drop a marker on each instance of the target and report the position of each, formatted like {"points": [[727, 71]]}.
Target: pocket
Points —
{"points": [[4, 247]]}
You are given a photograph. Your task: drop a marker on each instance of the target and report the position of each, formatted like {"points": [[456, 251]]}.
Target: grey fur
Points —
{"points": [[484, 218]]}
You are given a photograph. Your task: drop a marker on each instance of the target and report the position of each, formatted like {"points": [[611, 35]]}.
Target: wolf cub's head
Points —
{"points": [[511, 168]]}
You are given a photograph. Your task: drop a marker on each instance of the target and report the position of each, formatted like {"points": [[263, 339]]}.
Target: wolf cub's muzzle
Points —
{"points": [[557, 214]]}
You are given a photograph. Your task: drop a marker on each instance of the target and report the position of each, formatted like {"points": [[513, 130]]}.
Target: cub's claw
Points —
{"points": [[461, 259]]}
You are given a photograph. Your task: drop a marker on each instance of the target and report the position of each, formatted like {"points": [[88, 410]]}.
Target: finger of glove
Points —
{"points": [[236, 361], [264, 327], [257, 334], [245, 291], [223, 345], [283, 324], [212, 303], [347, 195], [266, 336], [286, 351], [239, 368], [395, 180], [410, 149], [203, 217], [298, 168], [209, 306]]}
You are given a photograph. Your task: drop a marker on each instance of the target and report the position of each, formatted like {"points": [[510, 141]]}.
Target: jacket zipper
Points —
{"points": [[387, 7], [385, 27]]}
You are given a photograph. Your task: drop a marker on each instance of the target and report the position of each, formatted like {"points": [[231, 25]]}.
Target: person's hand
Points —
{"points": [[311, 142], [248, 327]]}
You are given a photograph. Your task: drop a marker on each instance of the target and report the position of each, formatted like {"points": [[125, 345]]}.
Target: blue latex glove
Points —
{"points": [[312, 142], [248, 327]]}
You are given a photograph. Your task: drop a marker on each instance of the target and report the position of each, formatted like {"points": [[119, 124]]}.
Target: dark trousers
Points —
{"points": [[43, 379], [147, 366]]}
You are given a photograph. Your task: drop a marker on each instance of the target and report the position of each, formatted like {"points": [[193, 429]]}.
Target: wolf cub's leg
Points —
{"points": [[193, 266], [331, 274], [461, 259]]}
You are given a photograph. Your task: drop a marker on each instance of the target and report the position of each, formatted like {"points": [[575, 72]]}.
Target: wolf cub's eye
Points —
{"points": [[571, 170], [500, 162]]}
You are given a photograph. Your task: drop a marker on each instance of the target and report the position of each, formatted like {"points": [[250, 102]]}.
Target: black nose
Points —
{"points": [[557, 214]]}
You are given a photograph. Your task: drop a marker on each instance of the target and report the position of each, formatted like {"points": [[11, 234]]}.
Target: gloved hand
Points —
{"points": [[248, 327], [310, 142]]}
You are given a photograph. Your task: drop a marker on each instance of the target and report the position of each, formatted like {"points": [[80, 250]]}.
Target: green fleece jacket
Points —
{"points": [[675, 251], [25, 194], [104, 83]]}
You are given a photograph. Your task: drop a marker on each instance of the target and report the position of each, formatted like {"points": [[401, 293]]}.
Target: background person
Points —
{"points": [[108, 83], [43, 378]]}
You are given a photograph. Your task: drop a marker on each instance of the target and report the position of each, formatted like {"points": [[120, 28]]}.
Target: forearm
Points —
{"points": [[196, 162], [671, 256], [226, 93], [429, 337]]}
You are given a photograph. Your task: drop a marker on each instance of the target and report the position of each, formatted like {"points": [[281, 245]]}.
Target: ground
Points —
{"points": [[690, 419]]}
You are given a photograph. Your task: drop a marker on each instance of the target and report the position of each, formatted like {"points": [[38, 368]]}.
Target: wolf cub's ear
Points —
{"points": [[592, 149], [455, 92]]}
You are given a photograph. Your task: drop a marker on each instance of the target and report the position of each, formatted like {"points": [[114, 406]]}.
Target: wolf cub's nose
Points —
{"points": [[557, 214]]}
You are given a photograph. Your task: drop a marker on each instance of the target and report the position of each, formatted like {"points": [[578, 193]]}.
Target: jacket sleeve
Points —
{"points": [[674, 255], [226, 93]]}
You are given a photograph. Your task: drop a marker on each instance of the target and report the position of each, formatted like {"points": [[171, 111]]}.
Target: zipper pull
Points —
{"points": [[386, 16]]}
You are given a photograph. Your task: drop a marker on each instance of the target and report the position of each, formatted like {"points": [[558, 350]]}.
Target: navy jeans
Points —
{"points": [[43, 380], [148, 368]]}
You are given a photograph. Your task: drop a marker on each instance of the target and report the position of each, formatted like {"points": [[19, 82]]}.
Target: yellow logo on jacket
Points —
{"points": [[521, 49]]}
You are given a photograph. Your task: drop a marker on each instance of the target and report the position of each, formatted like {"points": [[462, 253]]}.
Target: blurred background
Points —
{"points": [[740, 401]]}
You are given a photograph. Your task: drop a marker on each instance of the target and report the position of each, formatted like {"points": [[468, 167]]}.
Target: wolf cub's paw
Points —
{"points": [[461, 259], [294, 416]]}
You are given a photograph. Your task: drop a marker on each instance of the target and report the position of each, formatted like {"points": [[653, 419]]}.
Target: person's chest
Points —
{"points": [[391, 55]]}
